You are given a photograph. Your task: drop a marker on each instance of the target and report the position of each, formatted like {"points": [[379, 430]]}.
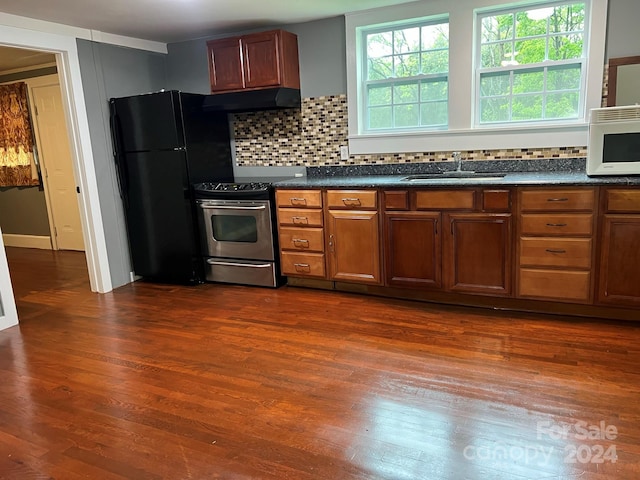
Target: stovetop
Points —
{"points": [[231, 187]]}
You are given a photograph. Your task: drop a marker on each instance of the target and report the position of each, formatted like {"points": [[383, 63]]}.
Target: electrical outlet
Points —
{"points": [[344, 152]]}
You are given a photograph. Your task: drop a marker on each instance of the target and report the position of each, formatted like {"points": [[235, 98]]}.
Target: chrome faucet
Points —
{"points": [[457, 158]]}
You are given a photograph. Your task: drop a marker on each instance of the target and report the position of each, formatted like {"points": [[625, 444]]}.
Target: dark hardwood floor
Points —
{"points": [[230, 382]]}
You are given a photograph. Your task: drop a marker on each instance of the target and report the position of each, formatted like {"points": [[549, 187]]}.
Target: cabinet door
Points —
{"points": [[261, 60], [225, 64], [478, 253], [354, 246], [619, 281], [413, 249]]}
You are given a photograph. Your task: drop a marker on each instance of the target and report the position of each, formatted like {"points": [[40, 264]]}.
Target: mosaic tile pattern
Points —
{"points": [[311, 137]]}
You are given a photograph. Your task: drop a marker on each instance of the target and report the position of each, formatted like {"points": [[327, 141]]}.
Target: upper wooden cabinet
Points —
{"points": [[254, 61]]}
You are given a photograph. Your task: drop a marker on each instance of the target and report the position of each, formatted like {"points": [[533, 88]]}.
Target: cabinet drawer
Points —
{"points": [[396, 200], [557, 252], [496, 200], [300, 217], [445, 200], [556, 224], [303, 264], [299, 198], [555, 284], [557, 200], [623, 200], [358, 199], [305, 239]]}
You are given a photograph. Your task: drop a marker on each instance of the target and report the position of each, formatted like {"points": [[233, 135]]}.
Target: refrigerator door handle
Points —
{"points": [[122, 173]]}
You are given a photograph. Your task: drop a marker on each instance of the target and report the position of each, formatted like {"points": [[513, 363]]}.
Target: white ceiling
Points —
{"points": [[175, 20]]}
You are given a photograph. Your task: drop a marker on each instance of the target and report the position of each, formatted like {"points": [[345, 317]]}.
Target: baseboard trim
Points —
{"points": [[27, 241]]}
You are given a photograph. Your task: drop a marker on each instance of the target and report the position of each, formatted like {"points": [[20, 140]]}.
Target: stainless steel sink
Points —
{"points": [[455, 175]]}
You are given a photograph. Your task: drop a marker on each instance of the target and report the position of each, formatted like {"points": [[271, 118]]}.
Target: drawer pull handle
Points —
{"points": [[556, 250], [298, 201], [351, 202], [562, 199], [300, 220], [302, 267], [556, 224], [332, 243], [300, 243]]}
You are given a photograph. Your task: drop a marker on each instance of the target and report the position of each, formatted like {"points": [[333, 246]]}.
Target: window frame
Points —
{"points": [[544, 65], [462, 133], [364, 82]]}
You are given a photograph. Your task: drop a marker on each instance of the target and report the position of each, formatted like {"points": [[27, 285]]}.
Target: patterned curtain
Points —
{"points": [[16, 138]]}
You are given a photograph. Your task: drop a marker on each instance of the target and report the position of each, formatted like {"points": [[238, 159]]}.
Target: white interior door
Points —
{"points": [[57, 167], [8, 312]]}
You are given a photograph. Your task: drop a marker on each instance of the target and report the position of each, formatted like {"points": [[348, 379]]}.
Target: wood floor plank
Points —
{"points": [[220, 381]]}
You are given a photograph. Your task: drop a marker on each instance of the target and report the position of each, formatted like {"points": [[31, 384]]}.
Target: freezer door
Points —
{"points": [[148, 122], [160, 217]]}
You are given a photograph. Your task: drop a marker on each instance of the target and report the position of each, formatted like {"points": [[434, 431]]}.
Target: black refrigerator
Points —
{"points": [[164, 143]]}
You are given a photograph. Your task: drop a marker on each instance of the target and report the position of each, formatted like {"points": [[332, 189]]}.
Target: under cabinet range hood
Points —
{"points": [[253, 100]]}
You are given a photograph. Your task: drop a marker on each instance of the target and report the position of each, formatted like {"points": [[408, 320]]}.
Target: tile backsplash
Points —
{"points": [[312, 136]]}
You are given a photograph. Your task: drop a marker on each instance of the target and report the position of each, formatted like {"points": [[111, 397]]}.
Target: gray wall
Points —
{"points": [[623, 33], [23, 211], [110, 71], [321, 48]]}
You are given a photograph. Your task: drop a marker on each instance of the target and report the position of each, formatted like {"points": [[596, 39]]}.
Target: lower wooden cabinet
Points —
{"points": [[353, 246], [413, 255], [619, 279], [478, 253]]}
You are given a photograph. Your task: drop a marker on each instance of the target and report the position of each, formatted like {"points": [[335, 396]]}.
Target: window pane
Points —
{"points": [[563, 47], [435, 36], [380, 117], [527, 107], [494, 110], [379, 44], [531, 51], [497, 28], [434, 114], [562, 105], [407, 93], [406, 115], [528, 82], [380, 68], [495, 84], [437, 90], [407, 65], [435, 62], [532, 22], [496, 54], [567, 78], [407, 40], [379, 95], [567, 18]]}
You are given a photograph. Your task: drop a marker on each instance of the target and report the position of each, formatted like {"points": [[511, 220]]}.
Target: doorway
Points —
{"points": [[65, 48]]}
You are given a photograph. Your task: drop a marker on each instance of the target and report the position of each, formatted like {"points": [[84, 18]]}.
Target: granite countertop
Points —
{"points": [[552, 173]]}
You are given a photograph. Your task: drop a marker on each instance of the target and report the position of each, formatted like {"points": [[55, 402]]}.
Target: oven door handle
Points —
{"points": [[204, 206], [234, 264]]}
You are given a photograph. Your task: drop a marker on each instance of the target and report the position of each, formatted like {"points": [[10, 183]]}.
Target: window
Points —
{"points": [[519, 74], [530, 64], [405, 80]]}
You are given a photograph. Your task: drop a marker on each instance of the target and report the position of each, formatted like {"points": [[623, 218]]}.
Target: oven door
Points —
{"points": [[238, 229]]}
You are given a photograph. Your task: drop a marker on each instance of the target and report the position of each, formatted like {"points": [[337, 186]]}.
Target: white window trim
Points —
{"points": [[461, 135]]}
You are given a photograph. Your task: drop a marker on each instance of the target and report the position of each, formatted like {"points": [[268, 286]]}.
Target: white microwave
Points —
{"points": [[614, 141]]}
